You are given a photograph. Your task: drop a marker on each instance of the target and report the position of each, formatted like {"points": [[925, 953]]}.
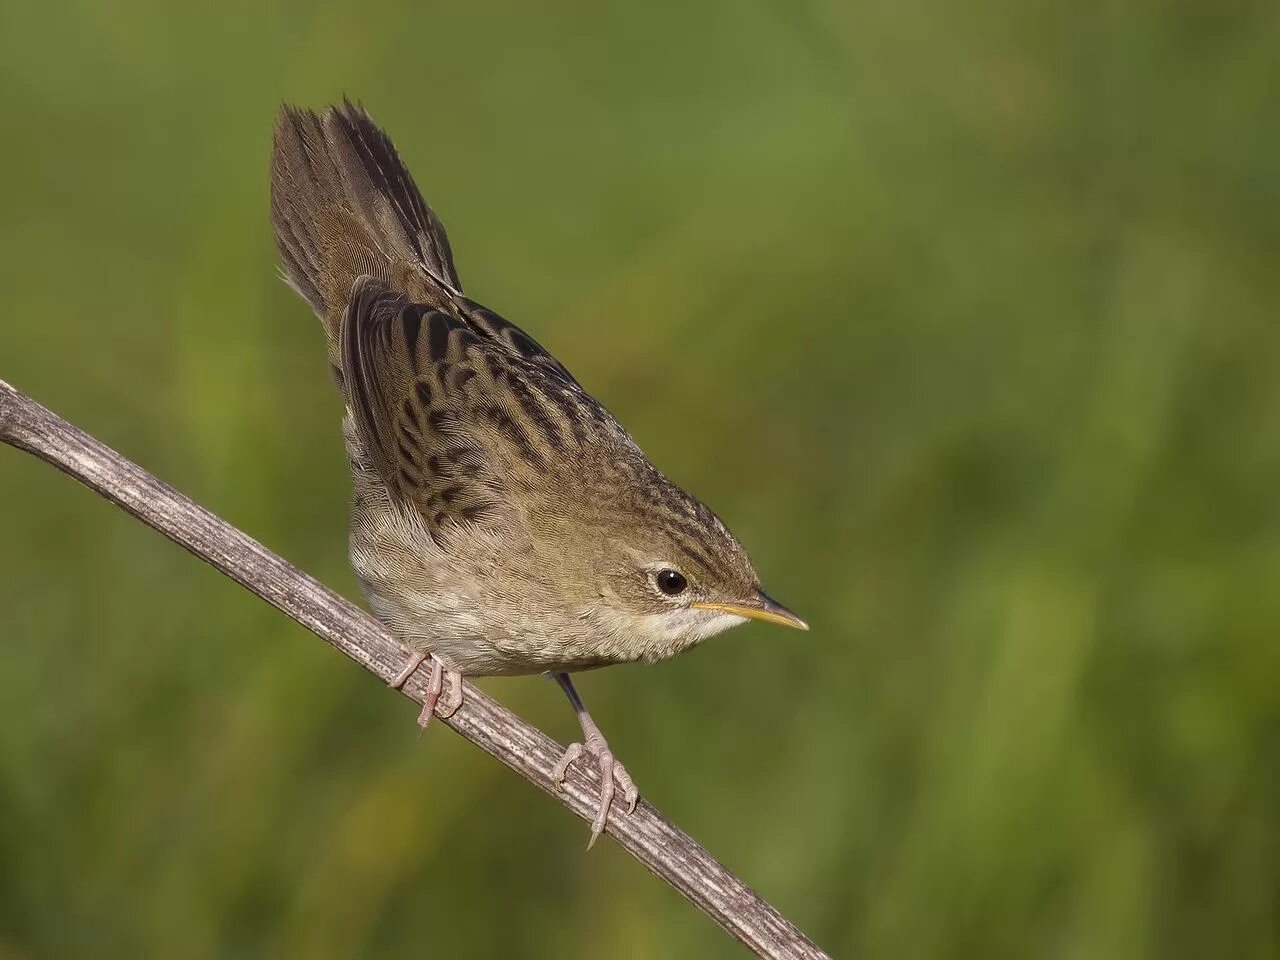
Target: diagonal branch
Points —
{"points": [[646, 834]]}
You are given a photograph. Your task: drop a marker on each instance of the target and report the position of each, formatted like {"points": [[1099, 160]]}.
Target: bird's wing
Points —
{"points": [[511, 338], [453, 417]]}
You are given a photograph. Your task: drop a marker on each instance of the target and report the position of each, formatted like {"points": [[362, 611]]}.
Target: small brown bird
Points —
{"points": [[502, 522]]}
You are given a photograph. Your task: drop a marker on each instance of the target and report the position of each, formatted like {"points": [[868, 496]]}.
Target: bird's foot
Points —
{"points": [[434, 704], [613, 777], [401, 678]]}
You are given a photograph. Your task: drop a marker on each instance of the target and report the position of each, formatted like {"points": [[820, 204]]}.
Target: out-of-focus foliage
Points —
{"points": [[965, 319]]}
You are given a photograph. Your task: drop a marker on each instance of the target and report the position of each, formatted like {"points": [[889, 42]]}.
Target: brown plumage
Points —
{"points": [[503, 521]]}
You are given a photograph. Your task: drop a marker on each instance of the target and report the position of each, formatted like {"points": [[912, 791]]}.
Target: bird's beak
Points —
{"points": [[762, 607]]}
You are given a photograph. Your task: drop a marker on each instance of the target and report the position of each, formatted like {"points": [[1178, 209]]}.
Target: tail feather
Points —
{"points": [[343, 205]]}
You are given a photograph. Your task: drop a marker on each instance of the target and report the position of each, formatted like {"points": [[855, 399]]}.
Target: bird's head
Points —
{"points": [[669, 574]]}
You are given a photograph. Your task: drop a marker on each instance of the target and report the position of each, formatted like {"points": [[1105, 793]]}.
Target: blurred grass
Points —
{"points": [[963, 317]]}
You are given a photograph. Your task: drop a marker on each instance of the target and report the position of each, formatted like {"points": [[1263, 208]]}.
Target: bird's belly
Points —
{"points": [[413, 588], [453, 628], [445, 624], [435, 600], [476, 639]]}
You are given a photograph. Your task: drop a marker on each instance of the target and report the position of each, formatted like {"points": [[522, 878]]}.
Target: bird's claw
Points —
{"points": [[613, 776], [433, 703]]}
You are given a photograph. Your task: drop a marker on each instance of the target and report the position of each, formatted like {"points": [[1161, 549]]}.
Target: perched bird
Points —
{"points": [[502, 521]]}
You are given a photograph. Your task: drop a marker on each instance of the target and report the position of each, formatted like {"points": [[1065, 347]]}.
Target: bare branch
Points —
{"points": [[646, 834]]}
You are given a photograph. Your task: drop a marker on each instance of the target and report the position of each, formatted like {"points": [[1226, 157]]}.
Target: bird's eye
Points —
{"points": [[671, 582]]}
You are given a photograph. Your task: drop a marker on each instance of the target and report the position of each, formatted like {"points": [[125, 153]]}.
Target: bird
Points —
{"points": [[502, 521]]}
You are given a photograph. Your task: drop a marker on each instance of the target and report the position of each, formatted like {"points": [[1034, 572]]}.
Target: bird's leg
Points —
{"points": [[612, 773], [401, 678], [453, 699], [432, 705]]}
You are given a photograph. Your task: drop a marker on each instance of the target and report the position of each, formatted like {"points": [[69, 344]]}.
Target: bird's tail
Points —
{"points": [[343, 205]]}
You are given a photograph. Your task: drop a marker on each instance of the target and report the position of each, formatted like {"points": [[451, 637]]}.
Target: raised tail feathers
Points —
{"points": [[343, 205]]}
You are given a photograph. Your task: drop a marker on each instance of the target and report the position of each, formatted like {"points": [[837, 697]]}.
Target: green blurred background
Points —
{"points": [[963, 316]]}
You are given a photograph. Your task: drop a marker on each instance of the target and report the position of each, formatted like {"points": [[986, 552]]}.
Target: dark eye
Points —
{"points": [[671, 582]]}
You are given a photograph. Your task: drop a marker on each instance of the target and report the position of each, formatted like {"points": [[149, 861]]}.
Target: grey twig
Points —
{"points": [[646, 834]]}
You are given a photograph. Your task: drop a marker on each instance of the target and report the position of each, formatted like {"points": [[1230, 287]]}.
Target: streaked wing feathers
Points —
{"points": [[513, 339], [405, 369], [457, 411]]}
